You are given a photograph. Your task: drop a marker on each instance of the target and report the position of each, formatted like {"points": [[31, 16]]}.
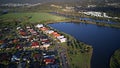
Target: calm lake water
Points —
{"points": [[104, 40]]}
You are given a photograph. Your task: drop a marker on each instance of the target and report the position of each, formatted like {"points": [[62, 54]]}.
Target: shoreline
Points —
{"points": [[87, 54], [114, 59], [88, 22]]}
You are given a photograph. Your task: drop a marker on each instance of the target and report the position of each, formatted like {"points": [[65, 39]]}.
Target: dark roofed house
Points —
{"points": [[4, 57], [37, 56], [18, 46], [3, 45], [36, 64]]}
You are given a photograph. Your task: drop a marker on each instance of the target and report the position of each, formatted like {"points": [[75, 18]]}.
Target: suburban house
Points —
{"points": [[33, 32], [49, 61], [23, 33], [30, 30], [37, 56], [15, 57], [61, 39], [18, 47], [18, 28], [15, 40], [45, 41], [1, 42], [45, 45], [49, 31], [35, 44], [39, 25], [42, 38], [3, 45], [28, 27], [55, 34], [4, 57], [43, 28]]}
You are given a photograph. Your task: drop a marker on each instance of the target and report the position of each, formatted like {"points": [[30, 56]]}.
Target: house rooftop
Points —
{"points": [[49, 60], [35, 43]]}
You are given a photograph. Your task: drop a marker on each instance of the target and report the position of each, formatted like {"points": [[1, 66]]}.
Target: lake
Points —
{"points": [[105, 40]]}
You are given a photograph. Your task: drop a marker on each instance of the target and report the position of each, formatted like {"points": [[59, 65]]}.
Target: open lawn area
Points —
{"points": [[81, 60], [32, 17]]}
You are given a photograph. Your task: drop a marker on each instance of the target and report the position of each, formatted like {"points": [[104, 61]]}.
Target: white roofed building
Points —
{"points": [[39, 25], [49, 31], [59, 37], [62, 40], [45, 45]]}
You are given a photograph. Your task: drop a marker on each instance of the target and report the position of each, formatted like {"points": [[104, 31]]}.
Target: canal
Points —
{"points": [[105, 40]]}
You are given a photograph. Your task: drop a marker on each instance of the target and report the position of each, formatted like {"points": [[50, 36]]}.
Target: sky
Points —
{"points": [[40, 1], [36, 1]]}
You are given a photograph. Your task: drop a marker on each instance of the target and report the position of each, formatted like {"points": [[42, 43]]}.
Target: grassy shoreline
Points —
{"points": [[79, 54], [115, 59], [88, 22], [77, 51]]}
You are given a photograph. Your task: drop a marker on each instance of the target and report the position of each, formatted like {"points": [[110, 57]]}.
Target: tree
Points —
{"points": [[115, 59]]}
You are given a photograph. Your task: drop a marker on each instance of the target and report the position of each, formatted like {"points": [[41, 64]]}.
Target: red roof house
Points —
{"points": [[23, 33], [1, 41], [43, 28], [49, 60], [35, 44], [18, 46], [15, 40], [55, 34], [37, 56]]}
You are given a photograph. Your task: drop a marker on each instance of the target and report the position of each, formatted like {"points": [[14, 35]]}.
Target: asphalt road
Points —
{"points": [[62, 55]]}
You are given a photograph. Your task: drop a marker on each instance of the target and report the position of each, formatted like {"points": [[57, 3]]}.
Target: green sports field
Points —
{"points": [[32, 17]]}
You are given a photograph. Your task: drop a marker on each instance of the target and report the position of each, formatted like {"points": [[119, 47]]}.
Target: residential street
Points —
{"points": [[62, 55]]}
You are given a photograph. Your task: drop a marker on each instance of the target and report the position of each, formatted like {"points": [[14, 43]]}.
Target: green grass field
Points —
{"points": [[81, 60], [32, 17], [75, 57]]}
